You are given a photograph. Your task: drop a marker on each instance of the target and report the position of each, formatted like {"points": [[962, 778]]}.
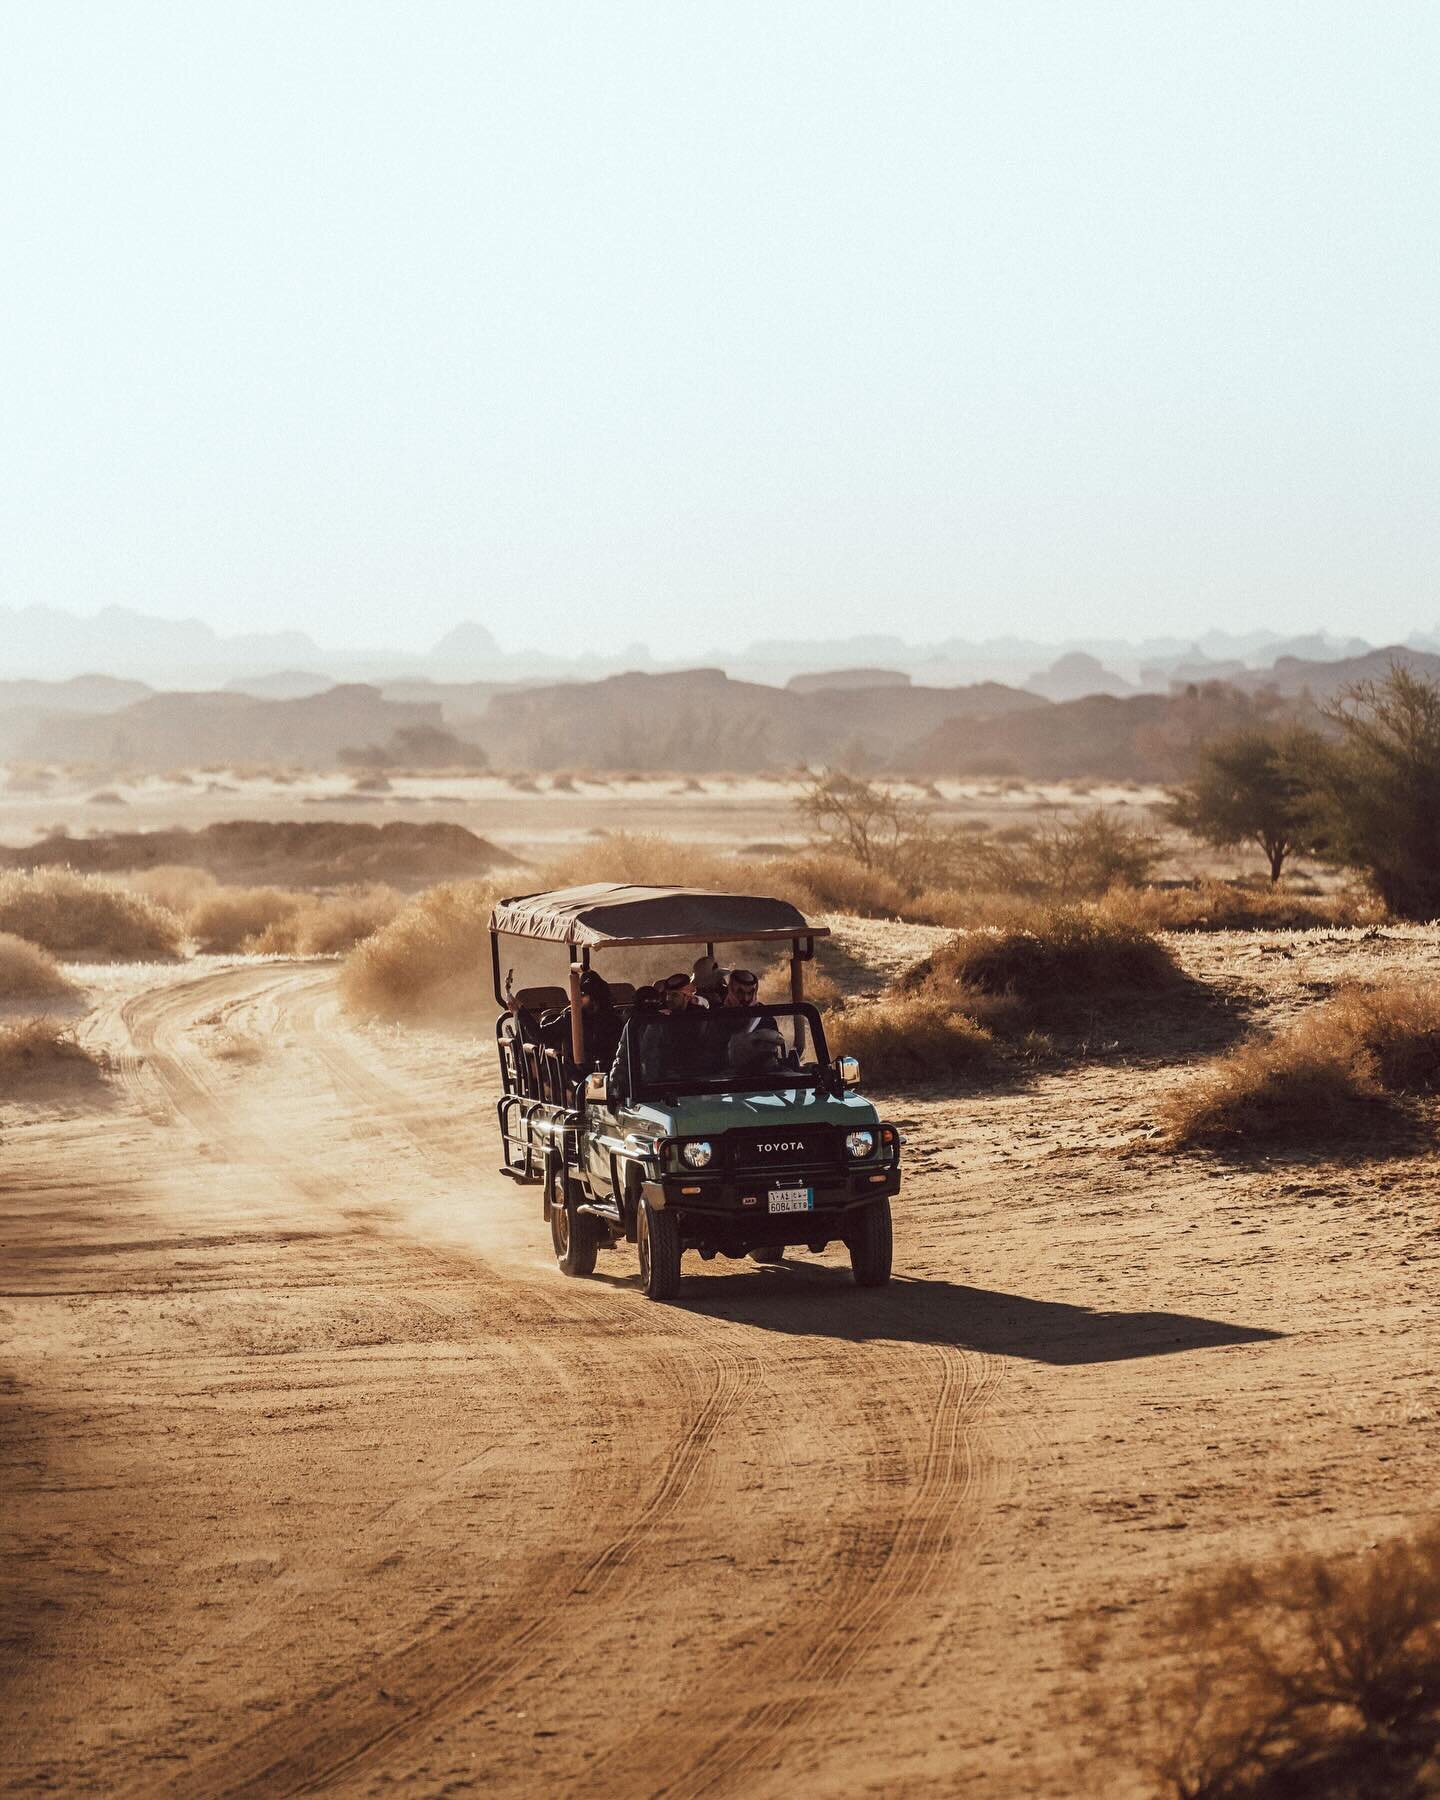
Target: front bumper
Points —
{"points": [[736, 1206]]}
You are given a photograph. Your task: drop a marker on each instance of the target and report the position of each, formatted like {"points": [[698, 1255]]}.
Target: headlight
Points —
{"points": [[860, 1143], [697, 1154]]}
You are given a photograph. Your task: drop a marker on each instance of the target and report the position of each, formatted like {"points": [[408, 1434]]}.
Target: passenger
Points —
{"points": [[639, 1041], [602, 1025], [677, 992], [742, 988], [709, 981]]}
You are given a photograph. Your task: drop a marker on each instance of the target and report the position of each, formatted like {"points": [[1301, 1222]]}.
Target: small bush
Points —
{"points": [[914, 1037], [233, 920], [1069, 952], [1329, 1074], [432, 961], [1226, 906], [821, 881], [1314, 1677], [42, 1049], [86, 918], [27, 973], [332, 926], [644, 858], [178, 887]]}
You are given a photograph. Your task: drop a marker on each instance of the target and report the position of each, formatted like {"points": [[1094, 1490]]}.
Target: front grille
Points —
{"points": [[770, 1151]]}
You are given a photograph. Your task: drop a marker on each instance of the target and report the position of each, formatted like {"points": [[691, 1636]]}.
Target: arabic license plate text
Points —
{"points": [[790, 1200]]}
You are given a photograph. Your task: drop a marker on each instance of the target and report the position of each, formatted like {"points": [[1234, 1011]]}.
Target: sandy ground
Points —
{"points": [[525, 815], [317, 1476]]}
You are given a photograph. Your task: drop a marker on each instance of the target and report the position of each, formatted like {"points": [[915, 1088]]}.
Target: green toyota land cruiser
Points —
{"points": [[728, 1131]]}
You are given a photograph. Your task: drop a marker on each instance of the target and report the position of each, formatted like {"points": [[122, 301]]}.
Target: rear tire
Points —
{"points": [[870, 1246], [575, 1236], [658, 1239], [768, 1253]]}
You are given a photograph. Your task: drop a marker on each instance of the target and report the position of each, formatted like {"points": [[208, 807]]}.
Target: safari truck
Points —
{"points": [[727, 1131]]}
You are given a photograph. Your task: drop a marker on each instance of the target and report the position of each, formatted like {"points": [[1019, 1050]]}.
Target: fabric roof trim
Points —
{"points": [[600, 914]]}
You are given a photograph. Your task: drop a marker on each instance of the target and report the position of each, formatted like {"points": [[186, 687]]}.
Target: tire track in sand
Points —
{"points": [[341, 1731]]}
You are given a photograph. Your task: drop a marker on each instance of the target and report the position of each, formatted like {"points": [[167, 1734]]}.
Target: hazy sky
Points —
{"points": [[695, 323]]}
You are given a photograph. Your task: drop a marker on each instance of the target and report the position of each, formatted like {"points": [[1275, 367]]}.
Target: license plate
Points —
{"points": [[791, 1200]]}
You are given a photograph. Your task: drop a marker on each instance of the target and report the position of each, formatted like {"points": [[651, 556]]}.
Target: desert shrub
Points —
{"points": [[863, 820], [1330, 1073], [909, 1037], [1377, 792], [42, 1049], [1064, 859], [819, 881], [1229, 906], [645, 858], [234, 919], [1068, 952], [1292, 1088], [330, 927], [86, 918], [28, 973], [432, 961], [178, 887], [821, 987], [971, 909], [1314, 1677]]}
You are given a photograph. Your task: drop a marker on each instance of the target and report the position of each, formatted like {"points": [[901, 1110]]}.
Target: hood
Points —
{"points": [[708, 1115]]}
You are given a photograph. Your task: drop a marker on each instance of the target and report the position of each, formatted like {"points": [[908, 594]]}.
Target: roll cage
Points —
{"points": [[583, 922]]}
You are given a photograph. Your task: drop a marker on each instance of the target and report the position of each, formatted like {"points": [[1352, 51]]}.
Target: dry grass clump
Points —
{"points": [[972, 910], [1326, 1076], [28, 973], [334, 925], [179, 887], [432, 961], [644, 858], [1227, 906], [86, 918], [909, 1037], [280, 922], [824, 881], [42, 1049], [1314, 1677], [1068, 952], [235, 919]]}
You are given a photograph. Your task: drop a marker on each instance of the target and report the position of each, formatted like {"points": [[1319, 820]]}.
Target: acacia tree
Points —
{"points": [[1253, 786], [863, 819], [1378, 789]]}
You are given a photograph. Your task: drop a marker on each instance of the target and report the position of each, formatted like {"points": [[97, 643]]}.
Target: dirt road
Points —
{"points": [[317, 1476]]}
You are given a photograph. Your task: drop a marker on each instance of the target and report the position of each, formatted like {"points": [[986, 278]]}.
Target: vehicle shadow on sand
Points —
{"points": [[809, 1300]]}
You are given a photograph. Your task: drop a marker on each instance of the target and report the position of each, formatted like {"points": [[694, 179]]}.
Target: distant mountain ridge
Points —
{"points": [[51, 643]]}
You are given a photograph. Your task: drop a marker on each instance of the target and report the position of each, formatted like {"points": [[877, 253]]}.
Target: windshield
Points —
{"points": [[724, 1051]]}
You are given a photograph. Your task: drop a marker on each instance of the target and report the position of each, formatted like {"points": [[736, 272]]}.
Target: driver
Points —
{"points": [[755, 1054]]}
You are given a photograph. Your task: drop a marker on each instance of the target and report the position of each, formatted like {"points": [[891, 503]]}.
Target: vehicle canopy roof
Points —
{"points": [[603, 914]]}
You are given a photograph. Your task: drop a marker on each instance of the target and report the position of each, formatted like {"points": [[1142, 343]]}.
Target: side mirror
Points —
{"points": [[596, 1085], [847, 1070]]}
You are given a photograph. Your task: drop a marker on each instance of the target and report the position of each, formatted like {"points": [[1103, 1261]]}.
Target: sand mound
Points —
{"points": [[306, 853]]}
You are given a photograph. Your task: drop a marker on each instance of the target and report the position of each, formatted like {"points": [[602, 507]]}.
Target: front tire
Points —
{"points": [[870, 1246], [657, 1237], [575, 1235], [768, 1253]]}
